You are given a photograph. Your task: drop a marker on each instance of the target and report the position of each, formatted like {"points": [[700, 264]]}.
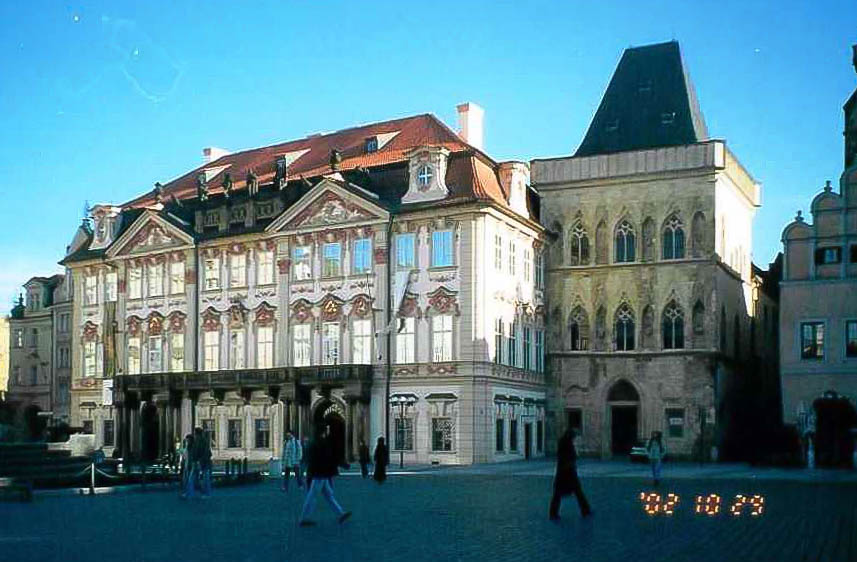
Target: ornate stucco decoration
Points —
{"points": [[156, 324], [302, 311], [90, 331], [410, 307], [177, 321], [210, 320], [237, 316], [443, 301], [331, 309], [133, 325], [264, 315], [361, 306], [427, 173], [330, 209]]}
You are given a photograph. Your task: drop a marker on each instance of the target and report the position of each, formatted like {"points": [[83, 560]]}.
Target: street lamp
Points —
{"points": [[403, 401]]}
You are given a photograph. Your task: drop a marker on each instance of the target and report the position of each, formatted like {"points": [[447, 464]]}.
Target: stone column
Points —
{"points": [[349, 428], [163, 431], [287, 416], [119, 425], [186, 416]]}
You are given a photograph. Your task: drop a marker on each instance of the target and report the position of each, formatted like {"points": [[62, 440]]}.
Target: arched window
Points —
{"points": [[601, 243], [625, 242], [648, 239], [697, 234], [578, 329], [673, 326], [673, 239], [623, 328], [579, 244]]}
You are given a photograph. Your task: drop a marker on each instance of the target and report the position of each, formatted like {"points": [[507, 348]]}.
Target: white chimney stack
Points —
{"points": [[470, 119], [212, 153]]}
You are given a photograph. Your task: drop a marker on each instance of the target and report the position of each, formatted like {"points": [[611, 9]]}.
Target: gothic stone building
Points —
{"points": [[818, 344], [649, 270], [388, 273]]}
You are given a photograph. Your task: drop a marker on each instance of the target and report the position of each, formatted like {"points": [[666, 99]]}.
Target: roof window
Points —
{"points": [[612, 126], [371, 145]]}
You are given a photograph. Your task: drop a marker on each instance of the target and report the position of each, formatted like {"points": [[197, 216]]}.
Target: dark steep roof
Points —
{"points": [[650, 102]]}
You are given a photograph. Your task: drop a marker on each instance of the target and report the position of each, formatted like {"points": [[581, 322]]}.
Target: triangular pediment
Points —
{"points": [[150, 233], [330, 205]]}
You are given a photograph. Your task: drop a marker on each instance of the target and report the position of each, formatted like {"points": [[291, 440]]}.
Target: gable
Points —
{"points": [[329, 205], [150, 233]]}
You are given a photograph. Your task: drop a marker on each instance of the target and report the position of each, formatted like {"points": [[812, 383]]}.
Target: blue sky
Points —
{"points": [[100, 100]]}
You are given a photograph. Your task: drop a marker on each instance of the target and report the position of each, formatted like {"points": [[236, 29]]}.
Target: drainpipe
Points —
{"points": [[387, 326]]}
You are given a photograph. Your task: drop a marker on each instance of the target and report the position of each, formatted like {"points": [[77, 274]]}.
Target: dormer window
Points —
{"points": [[282, 171], [424, 175], [371, 145], [612, 126]]}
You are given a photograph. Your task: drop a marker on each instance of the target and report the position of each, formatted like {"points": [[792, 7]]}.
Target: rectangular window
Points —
{"points": [[441, 248], [828, 255], [234, 430], [133, 356], [264, 268], [332, 264], [528, 264], [362, 256], [212, 274], [109, 436], [540, 436], [675, 422], [513, 435], [176, 277], [330, 343], [540, 270], [302, 345], [263, 434], [34, 375], [236, 349], [301, 263], [110, 286], [512, 258], [499, 340], [540, 357], [500, 436], [265, 347], [405, 341], [155, 354], [498, 252], [210, 428], [851, 338], [177, 352], [527, 363], [211, 351], [575, 420], [237, 270], [442, 337], [441, 434], [404, 434], [19, 338], [406, 251], [812, 340], [87, 427], [91, 289], [361, 342], [135, 283], [34, 337], [513, 345], [155, 278]]}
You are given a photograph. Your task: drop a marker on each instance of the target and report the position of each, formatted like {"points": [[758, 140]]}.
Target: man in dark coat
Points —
{"points": [[323, 467], [566, 481], [363, 455], [382, 459]]}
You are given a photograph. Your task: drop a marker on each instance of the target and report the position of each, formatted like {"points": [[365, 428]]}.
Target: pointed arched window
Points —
{"points": [[625, 242], [673, 239], [579, 244], [578, 329], [673, 326], [623, 328]]}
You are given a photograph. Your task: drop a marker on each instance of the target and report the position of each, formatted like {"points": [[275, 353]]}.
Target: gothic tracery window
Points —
{"points": [[578, 328], [579, 243], [625, 242], [673, 326], [673, 239], [623, 328]]}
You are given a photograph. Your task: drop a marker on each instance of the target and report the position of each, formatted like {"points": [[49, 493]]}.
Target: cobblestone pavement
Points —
{"points": [[439, 516]]}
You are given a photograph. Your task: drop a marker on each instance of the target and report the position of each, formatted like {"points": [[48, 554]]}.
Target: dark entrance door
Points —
{"points": [[528, 440], [149, 432], [623, 429], [328, 415], [834, 443]]}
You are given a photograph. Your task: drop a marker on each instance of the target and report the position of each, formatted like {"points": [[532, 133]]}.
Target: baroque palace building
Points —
{"points": [[650, 284], [384, 278]]}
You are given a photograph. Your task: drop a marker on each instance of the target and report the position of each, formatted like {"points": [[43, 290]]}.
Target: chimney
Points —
{"points": [[470, 117], [212, 153]]}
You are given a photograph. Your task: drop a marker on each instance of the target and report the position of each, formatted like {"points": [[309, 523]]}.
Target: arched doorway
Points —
{"points": [[623, 403], [834, 418], [330, 413], [149, 432]]}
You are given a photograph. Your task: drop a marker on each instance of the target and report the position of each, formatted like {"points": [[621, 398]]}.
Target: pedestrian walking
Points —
{"points": [[566, 481], [184, 462], [203, 447], [322, 468], [191, 466], [306, 445], [363, 456], [292, 456], [657, 451], [382, 459]]}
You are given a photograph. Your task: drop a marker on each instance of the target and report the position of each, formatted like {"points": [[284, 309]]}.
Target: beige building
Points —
{"points": [[818, 316], [649, 274], [384, 274]]}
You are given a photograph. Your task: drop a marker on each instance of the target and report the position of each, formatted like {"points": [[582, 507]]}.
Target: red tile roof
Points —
{"points": [[420, 130]]}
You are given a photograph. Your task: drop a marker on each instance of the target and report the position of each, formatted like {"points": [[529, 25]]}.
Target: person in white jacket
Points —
{"points": [[292, 455]]}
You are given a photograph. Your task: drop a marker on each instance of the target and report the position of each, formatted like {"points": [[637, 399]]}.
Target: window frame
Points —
{"points": [[265, 274], [331, 265], [850, 351], [177, 280], [155, 280], [331, 343], [237, 270], [405, 338], [135, 282], [238, 349], [361, 259], [134, 364], [211, 274], [302, 345], [669, 415], [804, 356], [90, 289], [111, 287], [442, 338], [500, 435], [211, 350], [265, 347], [263, 432], [404, 434], [231, 424], [302, 263], [155, 354], [363, 356], [442, 254], [406, 254], [435, 431], [176, 360]]}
